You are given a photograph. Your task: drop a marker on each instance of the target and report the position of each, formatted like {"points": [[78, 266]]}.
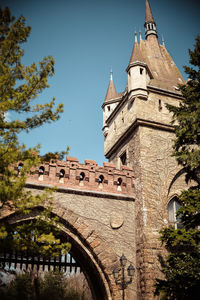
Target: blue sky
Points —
{"points": [[87, 38]]}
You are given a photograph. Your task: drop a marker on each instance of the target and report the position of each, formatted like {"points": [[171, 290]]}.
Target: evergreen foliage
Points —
{"points": [[182, 266], [54, 285], [19, 289], [19, 111]]}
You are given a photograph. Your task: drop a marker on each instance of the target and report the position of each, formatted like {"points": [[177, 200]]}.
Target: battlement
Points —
{"points": [[88, 176]]}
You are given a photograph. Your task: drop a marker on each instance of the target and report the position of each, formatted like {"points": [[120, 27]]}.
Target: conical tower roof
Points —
{"points": [[111, 91], [148, 13], [136, 55]]}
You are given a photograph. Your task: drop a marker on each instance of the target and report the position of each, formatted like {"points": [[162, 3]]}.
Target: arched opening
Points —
{"points": [[101, 180], [81, 178], [82, 253], [20, 165], [41, 173], [61, 176], [119, 184], [173, 207], [90, 270]]}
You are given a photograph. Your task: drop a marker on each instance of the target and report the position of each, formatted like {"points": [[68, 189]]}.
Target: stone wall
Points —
{"points": [[142, 129], [149, 150], [151, 110], [96, 206]]}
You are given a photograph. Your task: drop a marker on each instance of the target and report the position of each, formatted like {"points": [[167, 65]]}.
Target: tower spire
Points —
{"points": [[140, 35], [148, 13], [136, 55], [111, 74], [150, 25], [135, 36], [111, 91], [163, 41]]}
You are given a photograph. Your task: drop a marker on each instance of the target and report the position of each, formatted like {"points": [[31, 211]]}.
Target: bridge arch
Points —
{"points": [[89, 250], [95, 258]]}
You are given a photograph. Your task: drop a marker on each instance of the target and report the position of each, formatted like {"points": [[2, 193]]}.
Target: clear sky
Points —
{"points": [[87, 38]]}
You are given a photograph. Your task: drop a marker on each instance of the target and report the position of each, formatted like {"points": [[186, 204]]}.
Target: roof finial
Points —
{"points": [[111, 74], [140, 34], [135, 36], [163, 41]]}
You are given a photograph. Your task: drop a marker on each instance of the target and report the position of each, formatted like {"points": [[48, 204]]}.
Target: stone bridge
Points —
{"points": [[96, 207]]}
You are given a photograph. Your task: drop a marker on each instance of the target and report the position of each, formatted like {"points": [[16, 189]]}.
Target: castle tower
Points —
{"points": [[139, 134], [110, 102]]}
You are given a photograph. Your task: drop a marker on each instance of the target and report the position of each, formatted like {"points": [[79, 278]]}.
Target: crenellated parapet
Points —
{"points": [[88, 176]]}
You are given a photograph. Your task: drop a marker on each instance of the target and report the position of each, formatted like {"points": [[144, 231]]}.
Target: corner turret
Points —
{"points": [[110, 102], [111, 91], [138, 73]]}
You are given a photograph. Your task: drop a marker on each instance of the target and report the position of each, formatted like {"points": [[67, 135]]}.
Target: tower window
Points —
{"points": [[159, 105], [173, 207], [123, 159], [109, 108], [141, 71]]}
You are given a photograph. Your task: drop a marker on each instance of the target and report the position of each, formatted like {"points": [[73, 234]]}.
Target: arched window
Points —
{"points": [[19, 167], [41, 170], [62, 173], [119, 184], [61, 176], [41, 173], [173, 207], [101, 179], [123, 159], [82, 176], [119, 181]]}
